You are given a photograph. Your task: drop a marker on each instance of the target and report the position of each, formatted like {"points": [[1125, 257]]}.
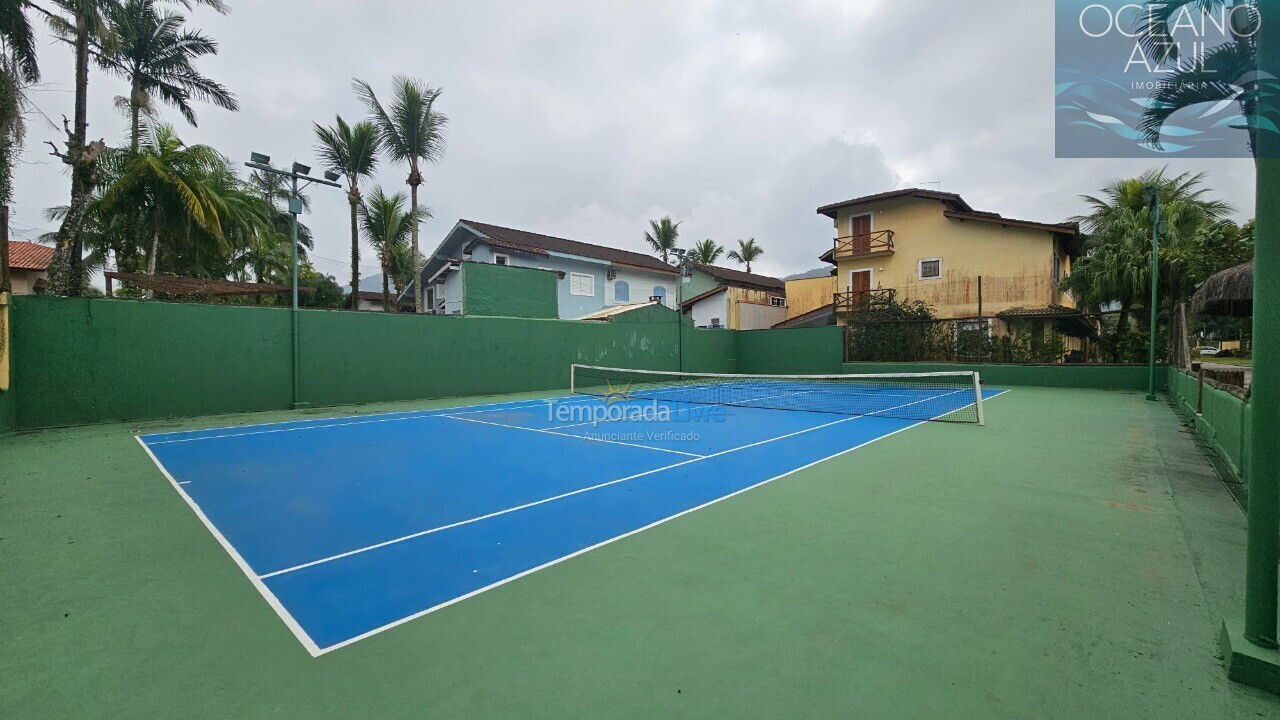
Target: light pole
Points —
{"points": [[1152, 196], [682, 271], [299, 177]]}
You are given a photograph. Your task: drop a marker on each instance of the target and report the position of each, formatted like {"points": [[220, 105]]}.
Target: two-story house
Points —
{"points": [[587, 277], [966, 264], [724, 298]]}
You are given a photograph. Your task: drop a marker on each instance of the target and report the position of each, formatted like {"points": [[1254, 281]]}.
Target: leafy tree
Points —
{"points": [[413, 133], [706, 252], [748, 252], [18, 69], [662, 236], [352, 151], [1225, 73], [156, 56], [387, 226], [1116, 267], [323, 291]]}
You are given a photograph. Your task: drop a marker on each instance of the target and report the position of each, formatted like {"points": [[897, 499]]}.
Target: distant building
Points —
{"points": [[979, 268], [586, 277], [718, 297], [29, 267]]}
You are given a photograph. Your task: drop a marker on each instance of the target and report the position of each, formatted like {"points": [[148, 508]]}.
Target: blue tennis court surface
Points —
{"points": [[350, 526]]}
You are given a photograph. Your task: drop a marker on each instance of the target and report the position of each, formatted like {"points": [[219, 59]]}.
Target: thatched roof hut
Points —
{"points": [[1228, 293]]}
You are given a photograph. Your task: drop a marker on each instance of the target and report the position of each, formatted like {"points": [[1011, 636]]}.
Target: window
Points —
{"points": [[930, 268], [1057, 267], [778, 302], [621, 291], [582, 284], [501, 260], [659, 294], [715, 324]]}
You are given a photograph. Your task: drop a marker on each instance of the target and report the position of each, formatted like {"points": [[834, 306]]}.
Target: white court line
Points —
{"points": [[417, 415], [571, 493], [260, 586], [571, 435], [316, 651], [656, 523]]}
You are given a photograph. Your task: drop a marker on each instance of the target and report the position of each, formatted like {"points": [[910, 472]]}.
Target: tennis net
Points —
{"points": [[941, 396]]}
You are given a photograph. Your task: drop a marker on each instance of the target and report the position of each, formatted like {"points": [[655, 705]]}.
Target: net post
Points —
{"points": [[977, 390], [573, 379]]}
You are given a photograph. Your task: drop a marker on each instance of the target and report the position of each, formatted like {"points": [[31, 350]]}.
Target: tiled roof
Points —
{"points": [[537, 244], [946, 197], [29, 256], [737, 278]]}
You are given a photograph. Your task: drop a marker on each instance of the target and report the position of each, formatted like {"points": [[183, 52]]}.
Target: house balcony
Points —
{"points": [[863, 300], [865, 245]]}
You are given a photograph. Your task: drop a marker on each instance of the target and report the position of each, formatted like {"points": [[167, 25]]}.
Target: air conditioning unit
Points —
{"points": [[611, 274]]}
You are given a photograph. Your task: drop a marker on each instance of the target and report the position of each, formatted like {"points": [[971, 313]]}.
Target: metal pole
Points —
{"points": [[295, 203], [1155, 294], [1263, 549]]}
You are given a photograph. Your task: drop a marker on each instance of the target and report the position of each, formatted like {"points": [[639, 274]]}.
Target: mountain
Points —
{"points": [[816, 272]]}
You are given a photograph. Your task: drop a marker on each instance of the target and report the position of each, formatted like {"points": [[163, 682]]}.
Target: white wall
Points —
{"points": [[716, 306], [759, 317]]}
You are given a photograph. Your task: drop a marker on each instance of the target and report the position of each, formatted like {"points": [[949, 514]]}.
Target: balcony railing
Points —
{"points": [[864, 300], [854, 246]]}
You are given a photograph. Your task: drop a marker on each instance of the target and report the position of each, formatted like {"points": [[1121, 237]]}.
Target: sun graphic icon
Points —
{"points": [[617, 394]]}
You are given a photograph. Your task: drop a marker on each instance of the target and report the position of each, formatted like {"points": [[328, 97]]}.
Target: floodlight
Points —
{"points": [[331, 176], [259, 158], [301, 169]]}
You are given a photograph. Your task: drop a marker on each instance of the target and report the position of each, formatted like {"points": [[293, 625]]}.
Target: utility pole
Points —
{"points": [[300, 178], [1153, 199]]}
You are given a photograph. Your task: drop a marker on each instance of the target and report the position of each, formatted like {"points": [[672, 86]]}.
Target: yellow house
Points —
{"points": [[808, 294], [967, 265]]}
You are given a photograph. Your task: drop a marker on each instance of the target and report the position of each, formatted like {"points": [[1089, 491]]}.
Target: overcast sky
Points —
{"points": [[586, 119]]}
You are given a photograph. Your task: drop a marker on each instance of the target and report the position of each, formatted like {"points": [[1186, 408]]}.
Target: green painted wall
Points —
{"points": [[1104, 377], [1225, 422], [815, 351], [8, 411], [506, 291], [80, 361], [699, 282]]}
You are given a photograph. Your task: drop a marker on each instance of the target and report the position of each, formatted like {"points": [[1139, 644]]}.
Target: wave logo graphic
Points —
{"points": [[618, 394]]}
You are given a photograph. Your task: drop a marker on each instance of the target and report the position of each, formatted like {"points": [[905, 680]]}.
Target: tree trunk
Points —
{"points": [[354, 197], [66, 269], [155, 252], [134, 111], [4, 249], [386, 289], [1122, 326], [415, 180]]}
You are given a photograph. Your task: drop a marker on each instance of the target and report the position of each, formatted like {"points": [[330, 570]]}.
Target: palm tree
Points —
{"points": [[748, 252], [1226, 72], [387, 226], [156, 56], [413, 133], [18, 69], [706, 252], [175, 187], [662, 236], [84, 25], [352, 151], [1116, 268]]}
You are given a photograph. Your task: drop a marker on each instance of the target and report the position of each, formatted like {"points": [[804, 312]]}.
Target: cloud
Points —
{"points": [[587, 119]]}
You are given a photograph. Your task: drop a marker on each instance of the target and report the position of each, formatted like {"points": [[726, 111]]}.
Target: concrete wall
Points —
{"points": [[712, 308], [507, 291], [1221, 418], [1106, 377]]}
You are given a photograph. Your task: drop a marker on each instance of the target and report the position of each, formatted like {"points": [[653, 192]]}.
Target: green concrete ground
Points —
{"points": [[1072, 560]]}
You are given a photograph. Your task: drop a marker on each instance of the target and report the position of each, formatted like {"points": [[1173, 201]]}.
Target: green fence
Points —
{"points": [[1221, 418], [93, 360], [82, 361], [489, 290], [1104, 377]]}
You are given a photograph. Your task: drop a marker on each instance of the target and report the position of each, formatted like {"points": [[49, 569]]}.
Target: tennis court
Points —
{"points": [[352, 526]]}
